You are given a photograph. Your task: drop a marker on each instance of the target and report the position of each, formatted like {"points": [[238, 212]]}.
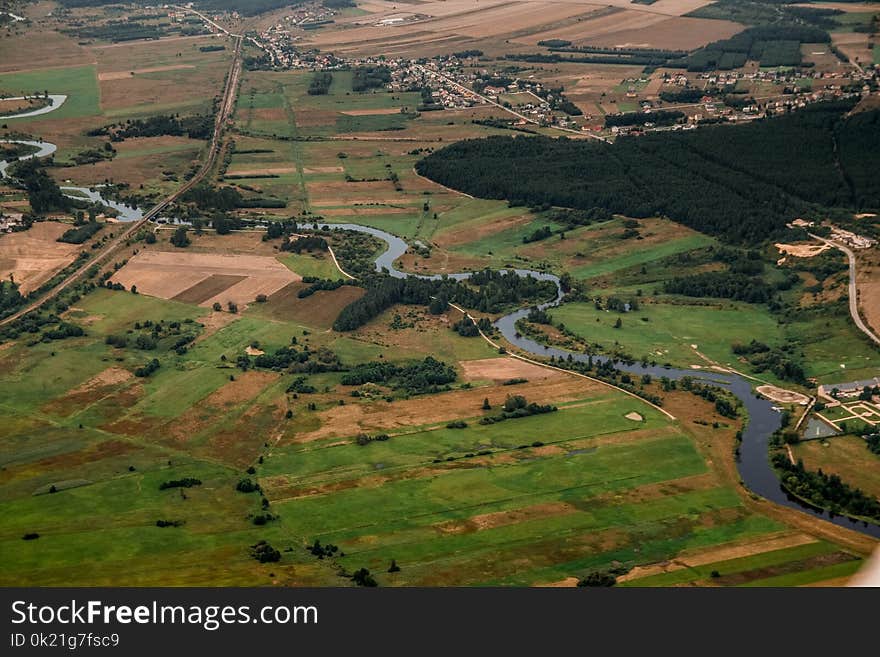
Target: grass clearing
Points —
{"points": [[79, 83]]}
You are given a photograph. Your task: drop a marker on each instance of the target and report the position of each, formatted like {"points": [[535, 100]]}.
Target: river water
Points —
{"points": [[57, 100], [752, 462]]}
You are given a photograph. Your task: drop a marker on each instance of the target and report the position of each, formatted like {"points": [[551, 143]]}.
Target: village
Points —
{"points": [[466, 79]]}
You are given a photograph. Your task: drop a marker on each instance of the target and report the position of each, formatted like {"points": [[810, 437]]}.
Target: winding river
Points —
{"points": [[752, 461], [55, 101]]}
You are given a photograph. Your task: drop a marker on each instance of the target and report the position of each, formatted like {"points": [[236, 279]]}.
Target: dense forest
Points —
{"points": [[487, 291], [742, 183]]}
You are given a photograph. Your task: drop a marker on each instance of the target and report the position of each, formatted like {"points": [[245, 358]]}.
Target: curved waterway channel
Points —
{"points": [[752, 462]]}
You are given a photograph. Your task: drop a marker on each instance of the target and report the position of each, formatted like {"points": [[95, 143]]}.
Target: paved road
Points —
{"points": [[223, 114], [853, 288]]}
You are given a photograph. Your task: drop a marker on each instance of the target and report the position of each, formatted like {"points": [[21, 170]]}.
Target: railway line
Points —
{"points": [[224, 112]]}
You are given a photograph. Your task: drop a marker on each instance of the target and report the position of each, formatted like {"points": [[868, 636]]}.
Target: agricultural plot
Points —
{"points": [[476, 505], [204, 279], [78, 83], [31, 258], [673, 333]]}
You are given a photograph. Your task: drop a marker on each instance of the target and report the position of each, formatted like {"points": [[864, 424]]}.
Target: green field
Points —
{"points": [[80, 83], [671, 329], [755, 570], [583, 484], [310, 265], [638, 256]]}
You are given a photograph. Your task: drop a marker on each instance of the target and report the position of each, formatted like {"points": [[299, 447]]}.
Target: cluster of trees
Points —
{"points": [[265, 553], [291, 359], [301, 386], [742, 183], [538, 234], [721, 284], [467, 54], [44, 194], [657, 117], [686, 95], [208, 197], [517, 406], [467, 328], [598, 578], [320, 83], [199, 126], [223, 199], [824, 490], [10, 297], [779, 360], [307, 243], [487, 291], [63, 331], [422, 376], [148, 369], [322, 551], [362, 577], [364, 439], [186, 482], [365, 78], [80, 234], [710, 393], [321, 284]]}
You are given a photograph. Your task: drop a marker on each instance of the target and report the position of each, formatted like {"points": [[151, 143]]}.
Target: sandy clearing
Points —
{"points": [[346, 421], [501, 518], [372, 112], [122, 75], [567, 583], [33, 256], [783, 396], [167, 274], [802, 250], [110, 377], [504, 369], [721, 553]]}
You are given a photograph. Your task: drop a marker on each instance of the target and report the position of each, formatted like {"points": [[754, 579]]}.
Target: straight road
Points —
{"points": [[224, 112]]}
